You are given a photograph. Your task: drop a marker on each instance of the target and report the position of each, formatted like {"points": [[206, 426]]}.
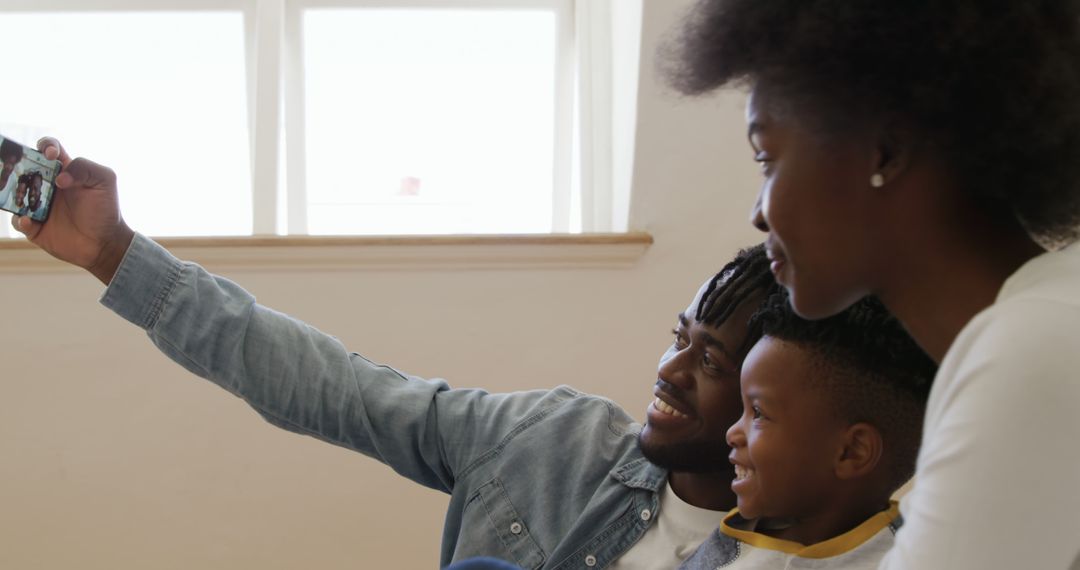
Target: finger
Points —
{"points": [[52, 149], [84, 173], [26, 226]]}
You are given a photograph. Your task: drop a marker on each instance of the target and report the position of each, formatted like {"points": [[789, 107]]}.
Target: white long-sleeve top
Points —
{"points": [[998, 477]]}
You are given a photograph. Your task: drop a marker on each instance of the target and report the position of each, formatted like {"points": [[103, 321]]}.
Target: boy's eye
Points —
{"points": [[756, 411]]}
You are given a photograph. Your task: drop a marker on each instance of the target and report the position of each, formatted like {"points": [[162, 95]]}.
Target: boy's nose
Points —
{"points": [[735, 435]]}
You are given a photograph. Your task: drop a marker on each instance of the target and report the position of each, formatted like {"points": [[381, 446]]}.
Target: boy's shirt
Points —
{"points": [[737, 545]]}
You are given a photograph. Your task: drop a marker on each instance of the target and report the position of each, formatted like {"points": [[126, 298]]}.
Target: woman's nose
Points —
{"points": [[757, 217]]}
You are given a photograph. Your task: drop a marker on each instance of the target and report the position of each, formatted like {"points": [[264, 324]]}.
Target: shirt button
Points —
{"points": [[646, 515], [515, 528], [590, 561]]}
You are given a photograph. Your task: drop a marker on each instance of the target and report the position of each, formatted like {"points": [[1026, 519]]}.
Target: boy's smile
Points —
{"points": [[742, 473]]}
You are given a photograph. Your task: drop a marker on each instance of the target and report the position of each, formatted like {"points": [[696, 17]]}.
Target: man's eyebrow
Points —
{"points": [[709, 339]]}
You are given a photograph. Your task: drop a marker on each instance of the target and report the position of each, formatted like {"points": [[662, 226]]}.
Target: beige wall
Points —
{"points": [[113, 457]]}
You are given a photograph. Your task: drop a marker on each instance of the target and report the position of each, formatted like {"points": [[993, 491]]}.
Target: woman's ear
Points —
{"points": [[862, 452], [893, 153]]}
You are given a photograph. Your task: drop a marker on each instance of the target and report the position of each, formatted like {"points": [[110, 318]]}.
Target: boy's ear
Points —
{"points": [[861, 453]]}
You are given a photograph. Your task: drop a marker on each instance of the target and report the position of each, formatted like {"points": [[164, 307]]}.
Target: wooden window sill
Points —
{"points": [[375, 252]]}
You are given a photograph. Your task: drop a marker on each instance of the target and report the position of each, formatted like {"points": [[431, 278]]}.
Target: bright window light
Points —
{"points": [[160, 98], [429, 121]]}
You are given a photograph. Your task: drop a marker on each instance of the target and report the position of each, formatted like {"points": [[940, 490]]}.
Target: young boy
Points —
{"points": [[832, 416]]}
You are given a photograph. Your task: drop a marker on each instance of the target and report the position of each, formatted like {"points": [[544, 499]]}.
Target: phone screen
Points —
{"points": [[27, 180]]}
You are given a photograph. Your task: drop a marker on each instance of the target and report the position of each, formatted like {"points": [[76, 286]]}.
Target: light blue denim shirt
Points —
{"points": [[544, 479]]}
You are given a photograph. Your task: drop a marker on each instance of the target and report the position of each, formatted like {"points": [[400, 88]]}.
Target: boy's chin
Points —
{"points": [[747, 509]]}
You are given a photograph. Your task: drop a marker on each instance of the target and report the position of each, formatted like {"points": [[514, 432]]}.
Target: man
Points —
{"points": [[546, 479], [33, 197]]}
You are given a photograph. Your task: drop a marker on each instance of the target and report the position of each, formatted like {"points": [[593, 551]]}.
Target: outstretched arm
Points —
{"points": [[294, 375]]}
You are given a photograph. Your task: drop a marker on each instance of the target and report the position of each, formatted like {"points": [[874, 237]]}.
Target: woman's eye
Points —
{"points": [[764, 163]]}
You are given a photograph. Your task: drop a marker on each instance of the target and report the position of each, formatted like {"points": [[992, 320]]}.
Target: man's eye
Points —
{"points": [[717, 366], [680, 341]]}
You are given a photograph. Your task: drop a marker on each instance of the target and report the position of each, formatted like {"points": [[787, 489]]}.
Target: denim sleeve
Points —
{"points": [[303, 380]]}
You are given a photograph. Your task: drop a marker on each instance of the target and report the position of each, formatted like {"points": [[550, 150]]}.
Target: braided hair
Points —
{"points": [[744, 278]]}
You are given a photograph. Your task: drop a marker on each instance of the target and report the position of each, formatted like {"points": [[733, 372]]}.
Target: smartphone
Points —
{"points": [[27, 180]]}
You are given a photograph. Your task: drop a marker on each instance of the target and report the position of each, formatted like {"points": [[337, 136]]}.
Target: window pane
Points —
{"points": [[429, 121], [159, 97]]}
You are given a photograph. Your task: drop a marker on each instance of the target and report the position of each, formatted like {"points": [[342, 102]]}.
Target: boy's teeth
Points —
{"points": [[665, 408], [743, 472]]}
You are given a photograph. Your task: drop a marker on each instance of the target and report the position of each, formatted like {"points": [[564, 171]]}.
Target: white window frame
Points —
{"points": [[274, 64]]}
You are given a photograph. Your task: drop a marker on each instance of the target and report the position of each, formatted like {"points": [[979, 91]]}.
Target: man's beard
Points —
{"points": [[687, 456]]}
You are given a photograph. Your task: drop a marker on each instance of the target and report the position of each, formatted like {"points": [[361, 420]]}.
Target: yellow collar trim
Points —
{"points": [[835, 546]]}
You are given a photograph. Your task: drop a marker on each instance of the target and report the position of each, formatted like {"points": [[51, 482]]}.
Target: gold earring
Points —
{"points": [[877, 180]]}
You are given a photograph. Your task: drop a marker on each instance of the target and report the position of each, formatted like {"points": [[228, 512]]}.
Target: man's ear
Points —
{"points": [[863, 448]]}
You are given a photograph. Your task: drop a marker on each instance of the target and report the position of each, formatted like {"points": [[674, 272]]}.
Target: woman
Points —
{"points": [[928, 152], [11, 153]]}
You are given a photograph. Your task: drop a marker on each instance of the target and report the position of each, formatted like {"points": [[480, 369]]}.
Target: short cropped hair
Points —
{"points": [[992, 85], [872, 371]]}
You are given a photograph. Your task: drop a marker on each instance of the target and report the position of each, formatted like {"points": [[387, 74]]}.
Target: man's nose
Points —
{"points": [[676, 370]]}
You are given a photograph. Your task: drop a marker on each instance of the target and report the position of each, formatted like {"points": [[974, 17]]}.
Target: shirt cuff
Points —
{"points": [[142, 282]]}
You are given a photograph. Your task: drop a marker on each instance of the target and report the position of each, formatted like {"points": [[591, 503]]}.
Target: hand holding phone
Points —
{"points": [[85, 227]]}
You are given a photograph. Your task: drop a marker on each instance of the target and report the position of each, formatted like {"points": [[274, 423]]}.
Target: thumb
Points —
{"points": [[26, 226], [53, 150]]}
